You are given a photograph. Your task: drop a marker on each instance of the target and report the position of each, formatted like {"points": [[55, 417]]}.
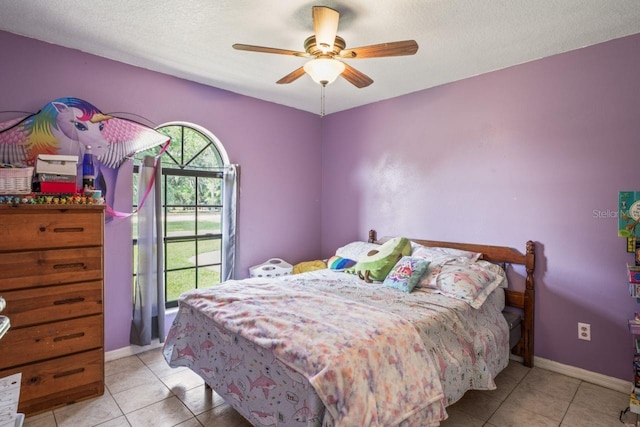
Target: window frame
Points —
{"points": [[181, 169]]}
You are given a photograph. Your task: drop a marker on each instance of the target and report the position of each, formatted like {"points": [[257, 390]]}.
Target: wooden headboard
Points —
{"points": [[524, 300]]}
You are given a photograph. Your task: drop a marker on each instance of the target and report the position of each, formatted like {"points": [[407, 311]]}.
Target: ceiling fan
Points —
{"points": [[328, 49]]}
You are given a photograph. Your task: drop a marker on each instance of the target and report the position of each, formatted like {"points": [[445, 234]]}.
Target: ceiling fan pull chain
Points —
{"points": [[322, 100]]}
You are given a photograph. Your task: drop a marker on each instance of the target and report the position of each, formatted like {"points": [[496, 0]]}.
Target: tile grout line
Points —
{"points": [[570, 402], [170, 391], [116, 402], [122, 410], [507, 396], [194, 416]]}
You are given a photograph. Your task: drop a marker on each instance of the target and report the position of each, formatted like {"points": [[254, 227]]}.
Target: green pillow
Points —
{"points": [[378, 263]]}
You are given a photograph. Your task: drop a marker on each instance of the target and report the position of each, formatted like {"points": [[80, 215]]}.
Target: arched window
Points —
{"points": [[192, 177]]}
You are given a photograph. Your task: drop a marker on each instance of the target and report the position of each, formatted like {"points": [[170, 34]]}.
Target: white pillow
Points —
{"points": [[427, 252], [356, 250]]}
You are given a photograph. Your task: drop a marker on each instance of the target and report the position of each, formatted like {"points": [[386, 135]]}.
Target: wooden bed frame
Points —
{"points": [[522, 300]]}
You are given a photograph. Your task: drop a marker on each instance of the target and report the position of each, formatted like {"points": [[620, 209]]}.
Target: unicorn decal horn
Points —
{"points": [[67, 126]]}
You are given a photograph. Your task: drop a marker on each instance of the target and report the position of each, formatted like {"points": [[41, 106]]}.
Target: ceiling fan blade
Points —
{"points": [[355, 77], [401, 48], [263, 49], [292, 76], [325, 26]]}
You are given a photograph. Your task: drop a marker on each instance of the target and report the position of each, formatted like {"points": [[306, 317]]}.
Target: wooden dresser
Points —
{"points": [[51, 276]]}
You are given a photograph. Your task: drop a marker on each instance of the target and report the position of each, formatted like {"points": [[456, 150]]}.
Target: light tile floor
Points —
{"points": [[143, 391]]}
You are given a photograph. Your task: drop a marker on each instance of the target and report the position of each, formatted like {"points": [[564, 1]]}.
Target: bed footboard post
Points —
{"points": [[529, 305]]}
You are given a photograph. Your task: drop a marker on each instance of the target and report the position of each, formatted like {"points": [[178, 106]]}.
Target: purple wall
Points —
{"points": [[538, 151], [278, 149]]}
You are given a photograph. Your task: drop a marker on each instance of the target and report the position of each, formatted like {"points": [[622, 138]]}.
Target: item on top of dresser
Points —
{"points": [[47, 177], [15, 180], [93, 196], [56, 173], [56, 164], [88, 170], [3, 304]]}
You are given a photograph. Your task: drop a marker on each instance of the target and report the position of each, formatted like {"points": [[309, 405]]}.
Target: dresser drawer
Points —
{"points": [[29, 307], [53, 383], [50, 340], [20, 270], [23, 229]]}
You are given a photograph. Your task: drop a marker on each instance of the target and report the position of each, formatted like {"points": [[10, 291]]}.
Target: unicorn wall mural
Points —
{"points": [[67, 126]]}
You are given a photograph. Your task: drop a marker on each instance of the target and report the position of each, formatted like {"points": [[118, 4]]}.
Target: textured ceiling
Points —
{"points": [[192, 39]]}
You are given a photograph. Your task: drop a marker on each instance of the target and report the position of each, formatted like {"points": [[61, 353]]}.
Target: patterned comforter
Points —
{"points": [[374, 355]]}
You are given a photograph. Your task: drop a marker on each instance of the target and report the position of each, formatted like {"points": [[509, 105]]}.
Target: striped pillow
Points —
{"points": [[339, 263]]}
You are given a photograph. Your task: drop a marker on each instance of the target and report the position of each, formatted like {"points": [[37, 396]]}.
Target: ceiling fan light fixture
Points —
{"points": [[324, 71]]}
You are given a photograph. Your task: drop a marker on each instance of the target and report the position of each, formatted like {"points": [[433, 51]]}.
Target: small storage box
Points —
{"points": [[271, 268], [58, 187], [15, 180], [56, 164]]}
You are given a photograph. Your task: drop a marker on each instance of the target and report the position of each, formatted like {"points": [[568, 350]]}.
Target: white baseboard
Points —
{"points": [[130, 351], [584, 375]]}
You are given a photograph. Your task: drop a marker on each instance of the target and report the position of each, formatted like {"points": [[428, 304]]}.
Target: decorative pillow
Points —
{"points": [[356, 250], [428, 252], [383, 239], [305, 266], [428, 280], [497, 270], [339, 263], [467, 281], [375, 265], [436, 261], [406, 274]]}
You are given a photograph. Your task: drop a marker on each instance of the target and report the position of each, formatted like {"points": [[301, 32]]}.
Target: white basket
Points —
{"points": [[15, 180], [271, 268]]}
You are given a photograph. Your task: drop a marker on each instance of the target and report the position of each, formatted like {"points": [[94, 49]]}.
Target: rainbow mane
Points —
{"points": [[38, 127]]}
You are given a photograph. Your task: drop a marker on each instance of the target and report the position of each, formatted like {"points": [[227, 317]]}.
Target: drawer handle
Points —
{"points": [[69, 301], [67, 373], [70, 265], [69, 230], [68, 337]]}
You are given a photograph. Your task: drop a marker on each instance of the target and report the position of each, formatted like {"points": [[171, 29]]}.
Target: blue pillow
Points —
{"points": [[406, 274]]}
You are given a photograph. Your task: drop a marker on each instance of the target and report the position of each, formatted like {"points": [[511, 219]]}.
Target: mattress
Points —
{"points": [[464, 348]]}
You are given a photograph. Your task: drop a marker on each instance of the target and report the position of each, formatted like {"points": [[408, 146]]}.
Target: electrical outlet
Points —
{"points": [[584, 331]]}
